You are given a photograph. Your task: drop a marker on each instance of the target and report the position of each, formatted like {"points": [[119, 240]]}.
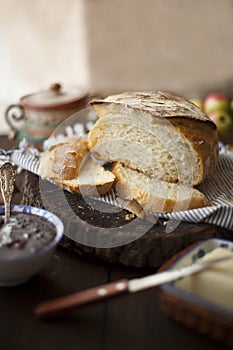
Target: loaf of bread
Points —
{"points": [[141, 193], [69, 165], [160, 146], [159, 134]]}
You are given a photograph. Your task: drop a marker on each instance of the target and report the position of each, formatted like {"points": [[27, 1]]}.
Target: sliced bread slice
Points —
{"points": [[70, 165], [92, 180], [142, 193], [62, 160]]}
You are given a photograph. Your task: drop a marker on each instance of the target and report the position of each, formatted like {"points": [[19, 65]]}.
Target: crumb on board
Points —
{"points": [[129, 216]]}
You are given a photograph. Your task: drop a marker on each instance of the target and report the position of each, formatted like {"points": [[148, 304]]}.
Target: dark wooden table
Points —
{"points": [[128, 322]]}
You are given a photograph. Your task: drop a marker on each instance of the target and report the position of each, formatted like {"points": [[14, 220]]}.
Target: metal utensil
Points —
{"points": [[7, 180], [55, 307]]}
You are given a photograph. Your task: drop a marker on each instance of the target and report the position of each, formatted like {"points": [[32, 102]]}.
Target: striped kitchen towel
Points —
{"points": [[218, 189]]}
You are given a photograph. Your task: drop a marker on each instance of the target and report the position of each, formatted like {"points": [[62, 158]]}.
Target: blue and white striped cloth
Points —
{"points": [[218, 189]]}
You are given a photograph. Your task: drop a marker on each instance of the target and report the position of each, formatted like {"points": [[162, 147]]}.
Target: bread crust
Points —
{"points": [[204, 140], [62, 160], [89, 190], [159, 104]]}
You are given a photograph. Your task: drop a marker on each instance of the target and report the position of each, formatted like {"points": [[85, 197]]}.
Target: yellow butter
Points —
{"points": [[214, 284]]}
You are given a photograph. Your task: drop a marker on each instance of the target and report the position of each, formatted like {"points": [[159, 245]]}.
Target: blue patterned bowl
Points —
{"points": [[16, 269]]}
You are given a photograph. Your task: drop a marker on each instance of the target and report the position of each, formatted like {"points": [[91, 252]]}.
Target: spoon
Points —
{"points": [[7, 180]]}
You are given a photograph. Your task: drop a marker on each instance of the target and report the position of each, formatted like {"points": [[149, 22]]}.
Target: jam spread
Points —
{"points": [[25, 233]]}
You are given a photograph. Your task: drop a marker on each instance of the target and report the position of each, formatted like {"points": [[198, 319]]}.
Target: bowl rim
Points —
{"points": [[52, 218]]}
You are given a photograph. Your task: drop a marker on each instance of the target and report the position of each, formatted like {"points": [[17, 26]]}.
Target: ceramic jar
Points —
{"points": [[37, 115]]}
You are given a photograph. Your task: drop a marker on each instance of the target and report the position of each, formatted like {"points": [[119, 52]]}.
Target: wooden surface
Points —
{"points": [[132, 321], [88, 230]]}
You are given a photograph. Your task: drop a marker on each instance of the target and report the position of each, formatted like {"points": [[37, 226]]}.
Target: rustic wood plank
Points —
{"points": [[84, 224]]}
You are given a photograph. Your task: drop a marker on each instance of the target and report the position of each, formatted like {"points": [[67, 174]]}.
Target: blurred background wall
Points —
{"points": [[183, 46], [179, 45]]}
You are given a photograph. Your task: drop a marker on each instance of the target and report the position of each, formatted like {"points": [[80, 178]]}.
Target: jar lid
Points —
{"points": [[54, 97]]}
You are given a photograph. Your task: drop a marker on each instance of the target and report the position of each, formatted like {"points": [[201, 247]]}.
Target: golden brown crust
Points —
{"points": [[89, 190], [62, 161], [204, 141], [158, 104]]}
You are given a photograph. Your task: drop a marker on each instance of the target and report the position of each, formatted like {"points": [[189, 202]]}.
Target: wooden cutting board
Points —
{"points": [[101, 224]]}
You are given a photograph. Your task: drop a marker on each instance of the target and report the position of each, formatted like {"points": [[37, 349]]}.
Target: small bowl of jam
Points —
{"points": [[27, 242]]}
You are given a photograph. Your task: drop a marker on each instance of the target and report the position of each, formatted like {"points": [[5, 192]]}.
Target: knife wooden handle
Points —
{"points": [[56, 307]]}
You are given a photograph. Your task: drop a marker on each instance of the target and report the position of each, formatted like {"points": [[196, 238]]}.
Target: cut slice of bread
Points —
{"points": [[62, 160], [159, 134], [142, 194], [92, 180], [70, 165]]}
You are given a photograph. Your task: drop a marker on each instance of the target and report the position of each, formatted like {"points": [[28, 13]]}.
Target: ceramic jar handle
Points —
{"points": [[13, 114]]}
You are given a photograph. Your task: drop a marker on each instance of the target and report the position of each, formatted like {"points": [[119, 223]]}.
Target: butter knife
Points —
{"points": [[56, 307]]}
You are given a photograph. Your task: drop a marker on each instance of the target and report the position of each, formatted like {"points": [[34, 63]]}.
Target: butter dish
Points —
{"points": [[203, 302]]}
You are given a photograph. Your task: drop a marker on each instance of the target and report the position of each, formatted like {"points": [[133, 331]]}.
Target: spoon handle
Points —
{"points": [[7, 180]]}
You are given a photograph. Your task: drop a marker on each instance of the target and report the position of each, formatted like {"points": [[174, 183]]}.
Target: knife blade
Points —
{"points": [[56, 307]]}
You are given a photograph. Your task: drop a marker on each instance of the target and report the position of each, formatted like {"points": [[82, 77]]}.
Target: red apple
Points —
{"points": [[224, 123], [215, 102]]}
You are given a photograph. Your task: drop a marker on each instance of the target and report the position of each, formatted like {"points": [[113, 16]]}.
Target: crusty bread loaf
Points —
{"points": [[69, 165], [142, 194], [159, 134]]}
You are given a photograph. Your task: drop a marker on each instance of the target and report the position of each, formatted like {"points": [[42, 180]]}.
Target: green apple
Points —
{"points": [[197, 102], [216, 102], [224, 123]]}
